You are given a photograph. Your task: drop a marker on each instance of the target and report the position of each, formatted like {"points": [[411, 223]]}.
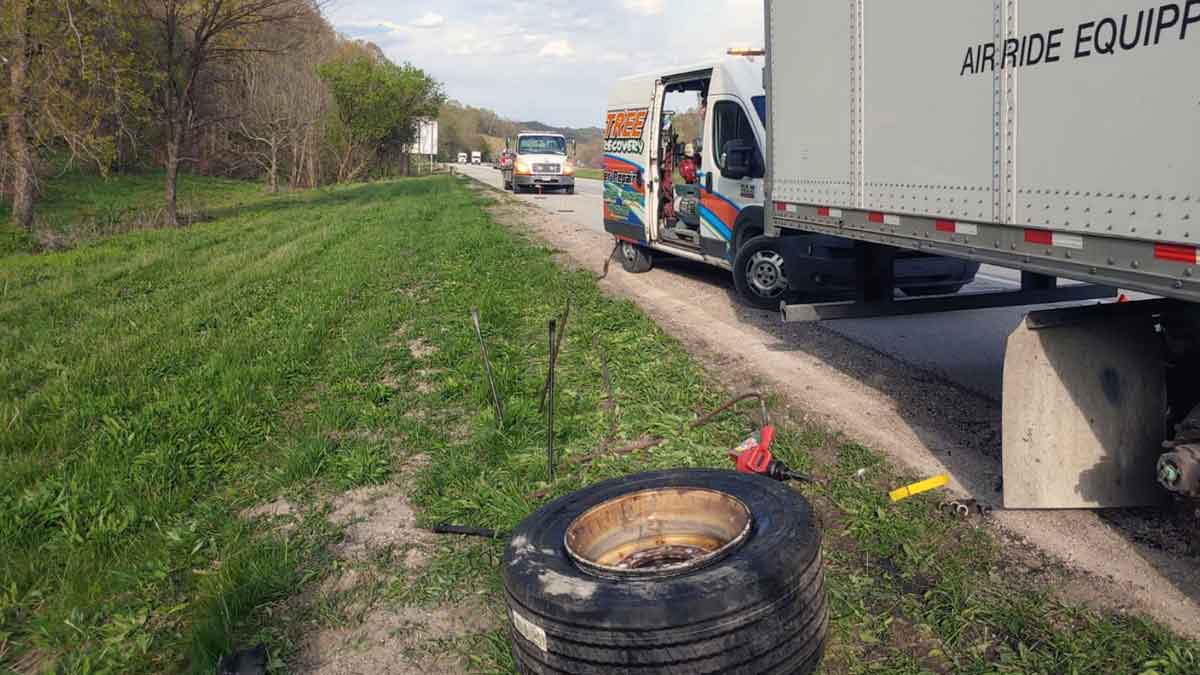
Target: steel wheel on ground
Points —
{"points": [[683, 571]]}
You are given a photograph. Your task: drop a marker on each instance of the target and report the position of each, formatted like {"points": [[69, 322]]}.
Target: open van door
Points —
{"points": [[628, 139]]}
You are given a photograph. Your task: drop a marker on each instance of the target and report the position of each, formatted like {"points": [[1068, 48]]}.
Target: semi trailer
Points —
{"points": [[1061, 139]]}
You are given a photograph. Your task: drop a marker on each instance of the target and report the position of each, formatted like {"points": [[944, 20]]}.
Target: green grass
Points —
{"points": [[594, 174], [78, 207], [156, 383]]}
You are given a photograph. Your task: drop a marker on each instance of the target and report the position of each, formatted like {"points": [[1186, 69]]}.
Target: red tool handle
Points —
{"points": [[754, 456]]}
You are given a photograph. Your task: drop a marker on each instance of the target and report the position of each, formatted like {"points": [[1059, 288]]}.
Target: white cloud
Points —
{"points": [[556, 48], [647, 7], [484, 50], [429, 20]]}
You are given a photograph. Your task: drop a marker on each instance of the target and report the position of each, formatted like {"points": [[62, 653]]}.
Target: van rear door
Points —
{"points": [[627, 141]]}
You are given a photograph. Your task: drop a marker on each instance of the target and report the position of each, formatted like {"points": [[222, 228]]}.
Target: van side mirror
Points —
{"points": [[736, 158]]}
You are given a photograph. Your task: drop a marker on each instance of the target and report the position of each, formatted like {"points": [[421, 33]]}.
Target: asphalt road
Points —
{"points": [[965, 347]]}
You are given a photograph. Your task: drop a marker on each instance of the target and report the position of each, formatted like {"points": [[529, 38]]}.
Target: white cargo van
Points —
{"points": [[462, 158], [476, 157], [671, 186]]}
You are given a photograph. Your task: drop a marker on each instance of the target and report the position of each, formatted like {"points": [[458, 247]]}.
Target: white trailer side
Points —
{"points": [[1085, 164], [1058, 138]]}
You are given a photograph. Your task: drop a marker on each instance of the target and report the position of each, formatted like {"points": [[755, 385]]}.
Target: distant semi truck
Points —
{"points": [[476, 157]]}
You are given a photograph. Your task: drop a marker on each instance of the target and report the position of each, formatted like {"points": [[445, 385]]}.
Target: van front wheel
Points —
{"points": [[759, 274]]}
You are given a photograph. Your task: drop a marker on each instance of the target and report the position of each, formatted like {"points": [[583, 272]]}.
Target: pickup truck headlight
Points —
{"points": [[521, 167]]}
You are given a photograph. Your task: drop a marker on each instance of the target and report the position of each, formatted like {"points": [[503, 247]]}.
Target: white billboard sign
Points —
{"points": [[427, 138]]}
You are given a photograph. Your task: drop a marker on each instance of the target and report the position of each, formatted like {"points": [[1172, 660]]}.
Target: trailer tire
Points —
{"points": [[634, 258], [759, 275], [761, 608]]}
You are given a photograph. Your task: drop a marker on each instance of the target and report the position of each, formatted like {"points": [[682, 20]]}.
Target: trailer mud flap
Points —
{"points": [[1084, 410]]}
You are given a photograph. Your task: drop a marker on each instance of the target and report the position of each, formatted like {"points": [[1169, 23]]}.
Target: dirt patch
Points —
{"points": [[375, 518], [398, 641], [381, 544], [923, 422], [420, 349], [281, 513], [427, 380]]}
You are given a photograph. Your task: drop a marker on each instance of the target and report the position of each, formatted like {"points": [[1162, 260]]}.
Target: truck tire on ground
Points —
{"points": [[759, 274], [728, 580], [634, 258], [570, 189]]}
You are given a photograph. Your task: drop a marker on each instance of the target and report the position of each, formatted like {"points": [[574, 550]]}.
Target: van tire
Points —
{"points": [[771, 614], [634, 258], [759, 275], [748, 226]]}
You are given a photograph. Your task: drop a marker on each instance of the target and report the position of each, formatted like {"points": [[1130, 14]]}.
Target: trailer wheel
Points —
{"points": [[759, 274], [690, 570], [634, 258]]}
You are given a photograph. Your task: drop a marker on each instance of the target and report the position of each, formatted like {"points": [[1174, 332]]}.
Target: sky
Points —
{"points": [[547, 60]]}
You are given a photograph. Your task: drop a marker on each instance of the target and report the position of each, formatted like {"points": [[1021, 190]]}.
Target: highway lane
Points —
{"points": [[965, 347]]}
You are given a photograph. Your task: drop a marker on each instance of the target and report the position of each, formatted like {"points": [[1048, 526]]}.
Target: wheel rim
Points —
{"points": [[657, 533], [628, 251], [764, 274]]}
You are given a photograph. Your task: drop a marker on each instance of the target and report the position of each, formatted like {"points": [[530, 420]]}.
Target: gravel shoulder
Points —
{"points": [[924, 423]]}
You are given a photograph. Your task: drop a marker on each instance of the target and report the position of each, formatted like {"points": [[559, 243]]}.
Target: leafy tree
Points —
{"points": [[378, 107], [189, 40], [73, 88]]}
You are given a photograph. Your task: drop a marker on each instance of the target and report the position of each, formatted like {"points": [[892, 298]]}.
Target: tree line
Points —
{"points": [[261, 89]]}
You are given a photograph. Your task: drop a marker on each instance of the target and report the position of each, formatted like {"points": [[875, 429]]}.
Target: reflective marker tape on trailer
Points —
{"points": [[784, 207], [827, 212], [955, 227], [1176, 253], [885, 218], [1049, 238]]}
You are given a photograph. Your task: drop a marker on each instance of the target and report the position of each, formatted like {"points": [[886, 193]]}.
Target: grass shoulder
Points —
{"points": [[232, 432]]}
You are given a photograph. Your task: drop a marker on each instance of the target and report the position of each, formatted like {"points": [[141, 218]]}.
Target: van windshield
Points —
{"points": [[542, 145]]}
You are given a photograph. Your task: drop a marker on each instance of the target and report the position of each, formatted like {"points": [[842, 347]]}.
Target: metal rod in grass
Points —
{"points": [[550, 403], [562, 331], [487, 367]]}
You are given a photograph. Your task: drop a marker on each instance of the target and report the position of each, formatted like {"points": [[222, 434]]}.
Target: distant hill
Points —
{"points": [[463, 128]]}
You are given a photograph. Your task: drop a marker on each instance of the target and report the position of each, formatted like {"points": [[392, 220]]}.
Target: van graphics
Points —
{"points": [[1107, 35], [623, 131], [624, 192]]}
